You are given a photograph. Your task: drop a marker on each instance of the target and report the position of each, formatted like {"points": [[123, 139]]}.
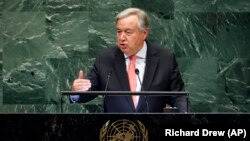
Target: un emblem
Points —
{"points": [[123, 130]]}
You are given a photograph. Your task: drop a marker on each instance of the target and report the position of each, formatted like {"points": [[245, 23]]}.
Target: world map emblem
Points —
{"points": [[123, 130]]}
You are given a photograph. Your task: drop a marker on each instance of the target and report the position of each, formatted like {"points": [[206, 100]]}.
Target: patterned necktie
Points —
{"points": [[132, 77]]}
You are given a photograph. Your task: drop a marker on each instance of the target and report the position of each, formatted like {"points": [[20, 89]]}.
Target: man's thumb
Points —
{"points": [[81, 75]]}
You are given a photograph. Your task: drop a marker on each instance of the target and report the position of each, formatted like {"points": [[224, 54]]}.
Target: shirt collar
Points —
{"points": [[141, 53]]}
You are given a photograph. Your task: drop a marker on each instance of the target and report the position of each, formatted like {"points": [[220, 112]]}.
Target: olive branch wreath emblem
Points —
{"points": [[104, 130]]}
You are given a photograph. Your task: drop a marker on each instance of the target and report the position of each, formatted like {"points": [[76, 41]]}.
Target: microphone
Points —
{"points": [[106, 87], [137, 73], [107, 82], [142, 89]]}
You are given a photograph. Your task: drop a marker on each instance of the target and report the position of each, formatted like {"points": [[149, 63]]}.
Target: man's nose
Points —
{"points": [[122, 36]]}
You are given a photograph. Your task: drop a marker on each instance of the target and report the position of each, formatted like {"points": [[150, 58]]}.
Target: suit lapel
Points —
{"points": [[151, 65], [150, 68], [121, 73], [120, 70]]}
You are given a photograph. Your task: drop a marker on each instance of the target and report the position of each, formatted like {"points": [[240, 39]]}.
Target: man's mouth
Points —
{"points": [[123, 46]]}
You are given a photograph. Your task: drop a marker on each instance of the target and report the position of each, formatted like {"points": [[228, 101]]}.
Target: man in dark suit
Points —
{"points": [[154, 66]]}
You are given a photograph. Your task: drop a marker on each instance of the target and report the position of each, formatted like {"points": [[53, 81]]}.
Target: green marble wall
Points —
{"points": [[44, 43]]}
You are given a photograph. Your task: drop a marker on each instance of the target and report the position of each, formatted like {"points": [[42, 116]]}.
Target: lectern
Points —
{"points": [[168, 108]]}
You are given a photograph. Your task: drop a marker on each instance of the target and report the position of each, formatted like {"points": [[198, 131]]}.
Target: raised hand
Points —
{"points": [[81, 84]]}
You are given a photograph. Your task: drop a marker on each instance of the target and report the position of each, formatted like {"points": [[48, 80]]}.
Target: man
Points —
{"points": [[116, 69]]}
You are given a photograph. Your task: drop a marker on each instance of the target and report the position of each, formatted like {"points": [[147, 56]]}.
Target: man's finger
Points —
{"points": [[81, 75]]}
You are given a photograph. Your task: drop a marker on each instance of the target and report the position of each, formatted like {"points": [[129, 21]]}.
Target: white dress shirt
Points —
{"points": [[140, 64]]}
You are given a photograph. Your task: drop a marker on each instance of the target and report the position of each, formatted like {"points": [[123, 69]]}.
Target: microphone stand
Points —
{"points": [[145, 97], [106, 87], [61, 103]]}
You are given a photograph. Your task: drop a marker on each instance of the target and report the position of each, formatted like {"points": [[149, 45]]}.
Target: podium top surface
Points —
{"points": [[119, 93]]}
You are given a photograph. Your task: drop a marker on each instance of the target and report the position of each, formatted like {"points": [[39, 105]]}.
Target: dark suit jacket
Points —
{"points": [[161, 74]]}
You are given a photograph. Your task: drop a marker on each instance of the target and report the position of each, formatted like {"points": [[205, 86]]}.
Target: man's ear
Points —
{"points": [[145, 33]]}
